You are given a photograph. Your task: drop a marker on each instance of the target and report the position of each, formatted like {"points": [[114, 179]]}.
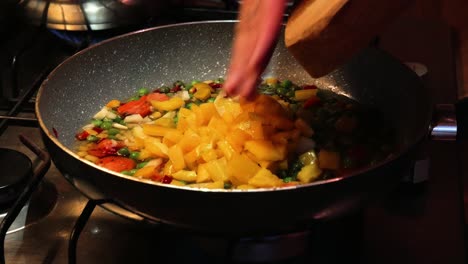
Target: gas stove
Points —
{"points": [[420, 222]]}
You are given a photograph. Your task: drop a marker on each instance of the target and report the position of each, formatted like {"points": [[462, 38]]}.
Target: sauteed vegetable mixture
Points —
{"points": [[191, 134]]}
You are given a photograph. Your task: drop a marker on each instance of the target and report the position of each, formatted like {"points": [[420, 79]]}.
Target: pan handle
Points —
{"points": [[462, 118], [450, 121], [444, 125]]}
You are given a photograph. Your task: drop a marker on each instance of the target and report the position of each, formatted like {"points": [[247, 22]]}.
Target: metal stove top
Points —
{"points": [[420, 223]]}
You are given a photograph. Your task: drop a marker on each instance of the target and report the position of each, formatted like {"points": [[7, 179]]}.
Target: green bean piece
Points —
{"points": [[92, 138], [134, 155], [141, 164], [123, 151], [113, 131], [96, 122], [143, 91], [286, 84], [106, 125]]}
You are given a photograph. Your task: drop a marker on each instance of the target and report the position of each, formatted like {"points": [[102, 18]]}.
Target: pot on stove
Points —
{"points": [[73, 15]]}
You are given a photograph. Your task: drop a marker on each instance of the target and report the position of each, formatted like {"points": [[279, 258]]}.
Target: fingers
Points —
{"points": [[254, 42]]}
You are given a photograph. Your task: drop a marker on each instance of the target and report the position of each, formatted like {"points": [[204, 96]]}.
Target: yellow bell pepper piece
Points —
{"points": [[309, 173], [203, 91], [185, 175], [169, 105], [113, 103], [302, 95]]}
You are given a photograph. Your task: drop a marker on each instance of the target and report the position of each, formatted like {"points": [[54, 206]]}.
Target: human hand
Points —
{"points": [[254, 42]]}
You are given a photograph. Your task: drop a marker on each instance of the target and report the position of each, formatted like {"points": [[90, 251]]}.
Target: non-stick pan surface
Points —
{"points": [[116, 68]]}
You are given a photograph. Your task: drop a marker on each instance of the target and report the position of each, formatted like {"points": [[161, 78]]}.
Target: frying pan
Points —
{"points": [[116, 68]]}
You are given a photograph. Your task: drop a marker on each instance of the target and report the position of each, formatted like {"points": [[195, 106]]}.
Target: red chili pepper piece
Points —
{"points": [[311, 102], [157, 177], [117, 163], [82, 135], [216, 85], [55, 132], [157, 97], [140, 106], [98, 129], [309, 87], [176, 89], [166, 179], [106, 147]]}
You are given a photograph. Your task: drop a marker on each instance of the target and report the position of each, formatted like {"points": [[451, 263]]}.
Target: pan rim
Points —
{"points": [[394, 156]]}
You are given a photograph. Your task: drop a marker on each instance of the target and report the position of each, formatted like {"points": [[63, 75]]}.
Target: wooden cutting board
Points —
{"points": [[324, 34]]}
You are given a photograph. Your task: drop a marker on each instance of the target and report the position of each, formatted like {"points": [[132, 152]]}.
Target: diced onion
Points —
{"points": [[111, 115], [136, 118], [101, 114], [119, 126], [154, 162]]}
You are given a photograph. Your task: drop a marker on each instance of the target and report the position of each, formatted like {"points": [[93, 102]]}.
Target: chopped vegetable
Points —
{"points": [[116, 163], [139, 106], [192, 135]]}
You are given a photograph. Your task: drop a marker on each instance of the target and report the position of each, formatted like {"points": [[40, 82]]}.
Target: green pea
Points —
{"points": [[194, 82], [281, 91], [131, 172], [124, 152], [126, 172], [211, 99], [106, 125], [134, 155], [143, 91], [113, 131], [92, 138], [133, 98], [118, 119], [96, 122], [290, 94], [164, 89], [178, 83], [141, 165], [288, 179], [286, 84], [111, 137]]}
